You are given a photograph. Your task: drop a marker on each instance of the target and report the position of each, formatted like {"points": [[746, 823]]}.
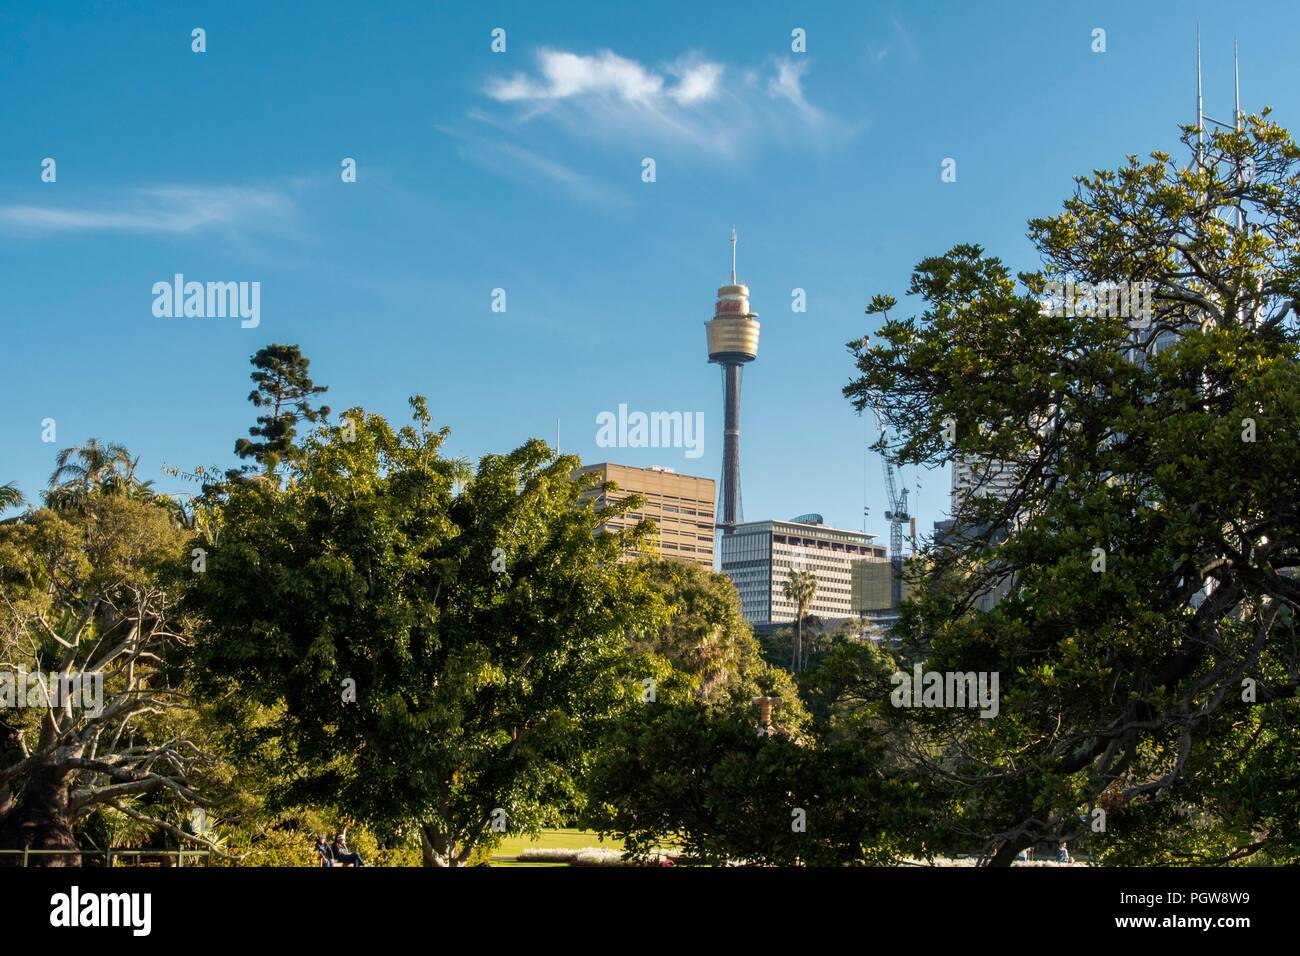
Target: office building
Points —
{"points": [[759, 555], [682, 507], [981, 478], [871, 587]]}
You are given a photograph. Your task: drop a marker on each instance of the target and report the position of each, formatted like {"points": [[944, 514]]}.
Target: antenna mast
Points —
{"points": [[1236, 116], [1200, 109]]}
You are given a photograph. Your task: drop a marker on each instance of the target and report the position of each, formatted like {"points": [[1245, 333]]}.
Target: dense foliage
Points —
{"points": [[1147, 643]]}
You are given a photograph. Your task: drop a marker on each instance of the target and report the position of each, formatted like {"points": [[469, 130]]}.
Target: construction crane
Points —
{"points": [[897, 516]]}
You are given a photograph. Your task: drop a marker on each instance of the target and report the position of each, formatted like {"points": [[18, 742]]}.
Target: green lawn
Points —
{"points": [[499, 861], [566, 839], [562, 839]]}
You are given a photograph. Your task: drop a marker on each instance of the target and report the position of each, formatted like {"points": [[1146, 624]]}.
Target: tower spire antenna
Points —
{"points": [[1236, 87], [1236, 114], [733, 255], [1200, 109]]}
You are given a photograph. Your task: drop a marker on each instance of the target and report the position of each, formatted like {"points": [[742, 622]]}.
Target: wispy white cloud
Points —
{"points": [[528, 167], [905, 38], [697, 81], [902, 40], [573, 115], [605, 96], [788, 85], [566, 75], [163, 210]]}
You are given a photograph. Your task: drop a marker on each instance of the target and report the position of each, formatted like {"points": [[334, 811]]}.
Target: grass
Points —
{"points": [[498, 861], [562, 839], [566, 839]]}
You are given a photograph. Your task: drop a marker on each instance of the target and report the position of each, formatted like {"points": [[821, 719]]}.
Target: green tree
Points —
{"points": [[88, 593], [82, 470], [705, 638], [93, 465], [1147, 644], [702, 778], [845, 679], [285, 390], [799, 588], [432, 663], [10, 496], [656, 779]]}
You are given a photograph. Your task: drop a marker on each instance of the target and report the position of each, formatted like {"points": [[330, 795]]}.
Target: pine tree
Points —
{"points": [[285, 389]]}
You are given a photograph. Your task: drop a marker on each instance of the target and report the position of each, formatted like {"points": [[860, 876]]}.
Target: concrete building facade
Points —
{"points": [[981, 477], [758, 557], [682, 507]]}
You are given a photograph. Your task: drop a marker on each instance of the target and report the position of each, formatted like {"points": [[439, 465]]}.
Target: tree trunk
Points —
{"points": [[39, 820], [1006, 854], [798, 643], [437, 848]]}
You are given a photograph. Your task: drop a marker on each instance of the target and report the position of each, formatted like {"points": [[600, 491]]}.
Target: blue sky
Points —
{"points": [[522, 170]]}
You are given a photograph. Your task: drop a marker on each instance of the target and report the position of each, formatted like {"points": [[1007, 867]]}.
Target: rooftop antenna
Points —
{"points": [[733, 256], [1236, 113], [1200, 109], [1236, 125], [1236, 84]]}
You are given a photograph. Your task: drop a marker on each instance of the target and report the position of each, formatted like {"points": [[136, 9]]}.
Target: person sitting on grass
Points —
{"points": [[341, 852]]}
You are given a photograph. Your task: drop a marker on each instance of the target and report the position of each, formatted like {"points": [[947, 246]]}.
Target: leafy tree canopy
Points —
{"points": [[1147, 646], [436, 661]]}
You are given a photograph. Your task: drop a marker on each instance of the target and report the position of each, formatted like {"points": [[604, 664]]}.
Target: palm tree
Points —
{"points": [[10, 496], [95, 467], [799, 589]]}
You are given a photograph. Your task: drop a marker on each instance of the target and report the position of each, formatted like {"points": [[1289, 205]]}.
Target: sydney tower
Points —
{"points": [[733, 341]]}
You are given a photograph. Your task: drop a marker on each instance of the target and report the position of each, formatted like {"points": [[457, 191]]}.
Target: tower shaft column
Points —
{"points": [[731, 446]]}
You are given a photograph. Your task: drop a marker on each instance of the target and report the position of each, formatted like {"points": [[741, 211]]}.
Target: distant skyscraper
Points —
{"points": [[758, 557], [681, 506], [733, 341], [981, 477], [873, 591]]}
